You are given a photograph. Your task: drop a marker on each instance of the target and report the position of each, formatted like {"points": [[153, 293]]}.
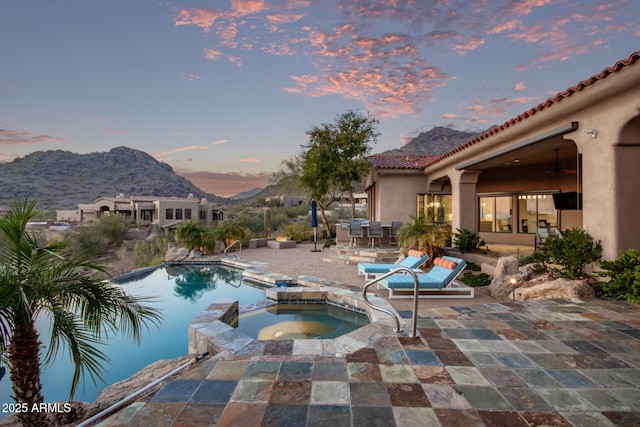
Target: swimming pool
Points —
{"points": [[181, 293]]}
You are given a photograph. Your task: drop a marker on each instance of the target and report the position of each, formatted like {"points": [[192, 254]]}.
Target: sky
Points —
{"points": [[223, 91]]}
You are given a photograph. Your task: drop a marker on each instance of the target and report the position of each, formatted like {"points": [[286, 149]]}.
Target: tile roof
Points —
{"points": [[401, 162], [546, 104]]}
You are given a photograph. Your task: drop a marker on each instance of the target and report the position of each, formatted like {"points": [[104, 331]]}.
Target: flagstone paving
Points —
{"points": [[554, 363]]}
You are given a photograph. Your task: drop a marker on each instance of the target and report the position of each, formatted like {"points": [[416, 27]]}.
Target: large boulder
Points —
{"points": [[507, 266], [510, 278], [559, 288], [176, 254]]}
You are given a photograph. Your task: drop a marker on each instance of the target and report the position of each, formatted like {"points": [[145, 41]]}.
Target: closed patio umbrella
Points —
{"points": [[314, 224]]}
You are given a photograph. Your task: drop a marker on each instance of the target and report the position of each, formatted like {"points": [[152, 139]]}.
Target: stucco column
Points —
{"points": [[463, 195]]}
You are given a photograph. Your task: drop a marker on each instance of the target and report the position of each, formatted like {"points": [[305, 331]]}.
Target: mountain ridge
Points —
{"points": [[435, 142], [62, 179]]}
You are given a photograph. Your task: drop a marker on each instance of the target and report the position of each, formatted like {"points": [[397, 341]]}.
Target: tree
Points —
{"points": [[419, 234], [189, 234], [229, 231], [36, 280], [335, 158]]}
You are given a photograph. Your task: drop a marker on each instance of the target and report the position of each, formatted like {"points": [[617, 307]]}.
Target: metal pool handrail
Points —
{"points": [[384, 310], [230, 246]]}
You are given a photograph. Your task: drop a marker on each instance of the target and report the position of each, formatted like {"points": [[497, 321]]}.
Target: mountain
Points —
{"points": [[246, 194], [436, 142], [62, 179]]}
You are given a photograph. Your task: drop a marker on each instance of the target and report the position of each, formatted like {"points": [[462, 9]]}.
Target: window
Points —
{"points": [[536, 210], [203, 215], [496, 214], [178, 213], [435, 207], [168, 214], [187, 214]]}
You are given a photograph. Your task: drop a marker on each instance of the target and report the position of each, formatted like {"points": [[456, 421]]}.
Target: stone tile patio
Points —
{"points": [[475, 362]]}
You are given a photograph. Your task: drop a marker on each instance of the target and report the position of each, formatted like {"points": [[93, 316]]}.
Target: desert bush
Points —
{"points": [[568, 255], [624, 276], [297, 232], [151, 252], [466, 240], [476, 280], [86, 239], [113, 227]]}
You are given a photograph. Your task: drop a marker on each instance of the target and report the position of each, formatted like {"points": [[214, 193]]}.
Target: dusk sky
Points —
{"points": [[232, 87]]}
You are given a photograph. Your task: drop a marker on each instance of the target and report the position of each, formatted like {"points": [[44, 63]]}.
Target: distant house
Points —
{"points": [[571, 161], [289, 201], [165, 212]]}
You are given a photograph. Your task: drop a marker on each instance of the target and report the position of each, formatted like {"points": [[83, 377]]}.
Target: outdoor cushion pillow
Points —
{"points": [[445, 263], [415, 253]]}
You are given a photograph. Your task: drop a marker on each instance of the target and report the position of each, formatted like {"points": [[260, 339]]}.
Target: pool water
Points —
{"points": [[300, 321], [181, 293]]}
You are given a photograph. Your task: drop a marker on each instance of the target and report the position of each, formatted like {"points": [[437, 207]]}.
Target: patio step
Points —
{"points": [[347, 255]]}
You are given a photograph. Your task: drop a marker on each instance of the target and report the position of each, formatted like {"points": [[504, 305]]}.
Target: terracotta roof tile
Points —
{"points": [[401, 162], [546, 104]]}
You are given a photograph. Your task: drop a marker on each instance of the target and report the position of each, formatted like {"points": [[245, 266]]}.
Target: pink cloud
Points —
{"points": [[14, 137], [250, 159], [219, 142], [247, 7], [376, 51], [471, 44], [212, 54], [519, 87], [285, 18], [202, 18]]}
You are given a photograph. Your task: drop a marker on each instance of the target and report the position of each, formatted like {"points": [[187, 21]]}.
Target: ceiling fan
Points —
{"points": [[557, 170]]}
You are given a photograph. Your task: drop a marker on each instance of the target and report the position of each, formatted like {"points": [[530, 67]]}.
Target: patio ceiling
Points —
{"points": [[536, 151]]}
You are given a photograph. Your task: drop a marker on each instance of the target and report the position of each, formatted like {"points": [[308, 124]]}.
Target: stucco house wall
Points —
{"points": [[595, 125]]}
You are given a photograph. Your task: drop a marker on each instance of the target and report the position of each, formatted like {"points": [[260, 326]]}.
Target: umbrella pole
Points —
{"points": [[315, 240]]}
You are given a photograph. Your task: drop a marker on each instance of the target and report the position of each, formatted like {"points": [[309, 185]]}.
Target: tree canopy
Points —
{"points": [[335, 158]]}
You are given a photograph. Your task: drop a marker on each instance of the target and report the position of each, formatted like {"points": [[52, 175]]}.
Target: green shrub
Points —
{"points": [[475, 280], [298, 232], [151, 252], [571, 253], [472, 266], [113, 227], [466, 240], [624, 276], [536, 257]]}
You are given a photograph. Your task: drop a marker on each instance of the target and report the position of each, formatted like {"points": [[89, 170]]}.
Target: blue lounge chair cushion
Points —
{"points": [[437, 277], [409, 262]]}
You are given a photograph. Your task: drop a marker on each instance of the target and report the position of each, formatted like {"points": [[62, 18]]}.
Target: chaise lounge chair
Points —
{"points": [[439, 282], [413, 260]]}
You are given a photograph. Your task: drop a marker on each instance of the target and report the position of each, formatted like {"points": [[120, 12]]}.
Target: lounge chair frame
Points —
{"points": [[371, 271], [451, 288]]}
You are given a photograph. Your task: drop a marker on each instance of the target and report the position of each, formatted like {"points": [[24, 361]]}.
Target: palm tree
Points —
{"points": [[229, 231], [189, 234], [419, 234], [39, 280]]}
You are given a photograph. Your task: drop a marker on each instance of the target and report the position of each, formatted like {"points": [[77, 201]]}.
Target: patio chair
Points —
{"points": [[355, 232], [413, 260], [393, 232], [439, 282], [375, 233], [542, 234]]}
